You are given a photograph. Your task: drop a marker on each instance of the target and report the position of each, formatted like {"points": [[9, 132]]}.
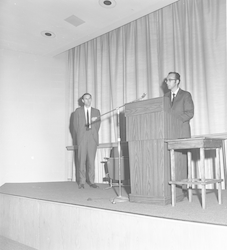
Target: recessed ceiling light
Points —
{"points": [[107, 3], [48, 34]]}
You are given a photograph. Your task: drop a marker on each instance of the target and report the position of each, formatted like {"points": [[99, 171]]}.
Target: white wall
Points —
{"points": [[32, 113]]}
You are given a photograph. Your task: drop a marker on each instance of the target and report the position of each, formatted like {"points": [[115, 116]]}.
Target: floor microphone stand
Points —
{"points": [[119, 198]]}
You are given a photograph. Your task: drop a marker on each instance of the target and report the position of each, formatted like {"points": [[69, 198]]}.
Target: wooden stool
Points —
{"points": [[188, 144]]}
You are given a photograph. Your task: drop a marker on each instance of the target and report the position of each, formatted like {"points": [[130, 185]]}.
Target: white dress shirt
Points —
{"points": [[89, 113]]}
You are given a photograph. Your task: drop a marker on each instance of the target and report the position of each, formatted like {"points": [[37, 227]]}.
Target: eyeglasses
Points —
{"points": [[169, 80]]}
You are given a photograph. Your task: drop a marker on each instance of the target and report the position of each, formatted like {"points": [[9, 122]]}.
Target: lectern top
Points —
{"points": [[147, 106]]}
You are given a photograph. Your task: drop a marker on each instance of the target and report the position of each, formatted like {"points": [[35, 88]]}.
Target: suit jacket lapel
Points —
{"points": [[177, 95], [168, 94], [82, 114]]}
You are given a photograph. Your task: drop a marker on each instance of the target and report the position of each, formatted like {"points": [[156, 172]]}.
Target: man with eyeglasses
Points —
{"points": [[181, 103]]}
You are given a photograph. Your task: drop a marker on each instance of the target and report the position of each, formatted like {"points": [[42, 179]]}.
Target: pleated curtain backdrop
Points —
{"points": [[188, 36]]}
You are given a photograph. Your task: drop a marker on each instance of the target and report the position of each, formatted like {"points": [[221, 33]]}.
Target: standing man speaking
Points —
{"points": [[86, 124], [181, 103]]}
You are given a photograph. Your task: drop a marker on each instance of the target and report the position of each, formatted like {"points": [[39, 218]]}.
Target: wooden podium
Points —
{"points": [[148, 125]]}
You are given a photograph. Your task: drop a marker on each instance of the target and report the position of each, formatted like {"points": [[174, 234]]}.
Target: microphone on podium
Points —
{"points": [[119, 107], [140, 98], [143, 95]]}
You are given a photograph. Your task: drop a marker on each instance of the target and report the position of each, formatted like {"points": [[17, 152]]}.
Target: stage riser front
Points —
{"points": [[57, 226]]}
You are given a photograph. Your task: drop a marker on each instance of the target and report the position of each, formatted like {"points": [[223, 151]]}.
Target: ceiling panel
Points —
{"points": [[23, 22]]}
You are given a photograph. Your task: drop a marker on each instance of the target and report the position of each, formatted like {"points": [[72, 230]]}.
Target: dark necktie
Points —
{"points": [[87, 118], [173, 99]]}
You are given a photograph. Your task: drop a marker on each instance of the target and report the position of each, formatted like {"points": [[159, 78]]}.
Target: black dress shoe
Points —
{"points": [[81, 186], [94, 185]]}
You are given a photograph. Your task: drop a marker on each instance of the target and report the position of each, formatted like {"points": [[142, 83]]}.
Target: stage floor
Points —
{"points": [[101, 198]]}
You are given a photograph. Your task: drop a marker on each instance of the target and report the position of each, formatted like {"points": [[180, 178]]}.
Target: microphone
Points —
{"points": [[143, 95], [140, 98]]}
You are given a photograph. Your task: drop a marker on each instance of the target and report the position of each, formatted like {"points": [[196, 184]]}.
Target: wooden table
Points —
{"points": [[202, 144]]}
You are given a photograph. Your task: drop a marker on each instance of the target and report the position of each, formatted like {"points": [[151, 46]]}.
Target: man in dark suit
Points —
{"points": [[85, 126], [180, 103]]}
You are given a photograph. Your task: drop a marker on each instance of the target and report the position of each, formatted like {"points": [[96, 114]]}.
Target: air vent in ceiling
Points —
{"points": [[75, 21]]}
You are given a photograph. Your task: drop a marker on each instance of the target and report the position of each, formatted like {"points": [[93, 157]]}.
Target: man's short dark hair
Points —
{"points": [[177, 75], [86, 94]]}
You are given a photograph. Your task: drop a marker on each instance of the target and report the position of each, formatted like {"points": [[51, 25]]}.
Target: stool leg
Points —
{"points": [[219, 174], [203, 178], [189, 186], [173, 177]]}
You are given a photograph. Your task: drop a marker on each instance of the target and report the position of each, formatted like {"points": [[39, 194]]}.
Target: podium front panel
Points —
{"points": [[148, 125]]}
